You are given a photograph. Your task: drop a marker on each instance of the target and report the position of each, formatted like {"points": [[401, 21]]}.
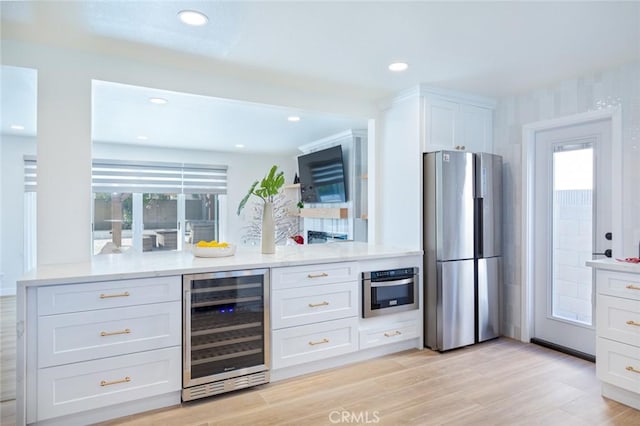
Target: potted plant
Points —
{"points": [[270, 186]]}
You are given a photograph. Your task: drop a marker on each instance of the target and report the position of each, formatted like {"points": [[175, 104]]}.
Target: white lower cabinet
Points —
{"points": [[314, 312], [306, 305], [81, 336], [83, 386], [389, 333], [105, 343], [298, 345], [618, 330]]}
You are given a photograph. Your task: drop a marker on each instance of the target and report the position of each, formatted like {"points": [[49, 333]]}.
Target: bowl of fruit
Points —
{"points": [[213, 249]]}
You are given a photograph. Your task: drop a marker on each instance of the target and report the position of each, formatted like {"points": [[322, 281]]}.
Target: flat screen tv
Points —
{"points": [[322, 176]]}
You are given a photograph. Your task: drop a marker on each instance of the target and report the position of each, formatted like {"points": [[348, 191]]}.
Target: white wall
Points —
{"points": [[64, 110], [399, 175], [589, 92], [243, 170], [12, 152]]}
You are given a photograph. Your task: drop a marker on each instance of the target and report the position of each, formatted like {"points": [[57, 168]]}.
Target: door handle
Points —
{"points": [[607, 253]]}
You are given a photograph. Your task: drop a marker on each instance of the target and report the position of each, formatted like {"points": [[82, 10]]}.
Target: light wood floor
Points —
{"points": [[502, 382]]}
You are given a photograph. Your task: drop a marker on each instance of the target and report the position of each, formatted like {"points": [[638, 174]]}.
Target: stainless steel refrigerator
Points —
{"points": [[462, 248]]}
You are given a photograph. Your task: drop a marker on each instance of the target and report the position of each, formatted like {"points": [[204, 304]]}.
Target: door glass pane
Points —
{"points": [[572, 233], [201, 215], [112, 222], [160, 219]]}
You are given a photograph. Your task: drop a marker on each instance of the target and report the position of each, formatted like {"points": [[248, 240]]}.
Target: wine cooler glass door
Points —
{"points": [[226, 324]]}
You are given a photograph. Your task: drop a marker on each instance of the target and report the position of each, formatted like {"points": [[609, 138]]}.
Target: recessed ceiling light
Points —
{"points": [[192, 17], [17, 127], [142, 138], [158, 101], [239, 145], [293, 118], [398, 66]]}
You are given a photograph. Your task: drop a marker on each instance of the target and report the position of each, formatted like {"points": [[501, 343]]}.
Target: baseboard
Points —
{"points": [[564, 349]]}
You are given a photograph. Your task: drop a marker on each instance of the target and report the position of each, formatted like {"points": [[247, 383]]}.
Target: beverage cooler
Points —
{"points": [[226, 328]]}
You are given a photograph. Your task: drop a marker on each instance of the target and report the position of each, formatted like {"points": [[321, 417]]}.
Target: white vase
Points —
{"points": [[268, 237]]}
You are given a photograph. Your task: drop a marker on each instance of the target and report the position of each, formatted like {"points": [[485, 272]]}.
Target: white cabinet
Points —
{"points": [[618, 335], [313, 342], [314, 312], [394, 331], [453, 123], [83, 386], [106, 343]]}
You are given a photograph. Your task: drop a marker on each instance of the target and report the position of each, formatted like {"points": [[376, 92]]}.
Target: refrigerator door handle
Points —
{"points": [[479, 226]]}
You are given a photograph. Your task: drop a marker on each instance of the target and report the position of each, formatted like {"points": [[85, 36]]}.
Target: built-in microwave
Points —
{"points": [[389, 291]]}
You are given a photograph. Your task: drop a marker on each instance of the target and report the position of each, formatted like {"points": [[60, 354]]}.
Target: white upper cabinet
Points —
{"points": [[457, 121]]}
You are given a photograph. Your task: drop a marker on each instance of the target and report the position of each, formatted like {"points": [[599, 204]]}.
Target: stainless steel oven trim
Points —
{"points": [[187, 381], [392, 283]]}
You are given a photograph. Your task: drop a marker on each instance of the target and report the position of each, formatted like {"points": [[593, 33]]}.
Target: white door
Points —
{"points": [[572, 202]]}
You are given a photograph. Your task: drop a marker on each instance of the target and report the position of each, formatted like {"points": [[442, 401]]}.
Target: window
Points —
{"points": [[155, 206], [30, 212]]}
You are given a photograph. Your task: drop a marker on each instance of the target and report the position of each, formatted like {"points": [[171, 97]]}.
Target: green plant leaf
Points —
{"points": [[243, 202], [270, 185]]}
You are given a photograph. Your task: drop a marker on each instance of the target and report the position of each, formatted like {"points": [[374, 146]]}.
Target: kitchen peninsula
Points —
{"points": [[105, 339], [618, 329]]}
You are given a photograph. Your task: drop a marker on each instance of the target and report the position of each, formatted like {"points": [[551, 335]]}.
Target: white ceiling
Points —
{"points": [[492, 49]]}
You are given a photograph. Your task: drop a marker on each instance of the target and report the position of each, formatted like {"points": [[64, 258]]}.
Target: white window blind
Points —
{"points": [[30, 174], [173, 178]]}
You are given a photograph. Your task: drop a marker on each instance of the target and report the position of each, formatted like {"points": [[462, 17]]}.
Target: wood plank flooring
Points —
{"points": [[502, 382]]}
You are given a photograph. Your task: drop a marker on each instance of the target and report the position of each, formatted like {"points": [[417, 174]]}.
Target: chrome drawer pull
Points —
{"points": [[630, 368], [115, 382], [315, 305], [322, 275], [107, 296], [395, 333], [319, 343], [631, 322], [633, 287], [113, 333]]}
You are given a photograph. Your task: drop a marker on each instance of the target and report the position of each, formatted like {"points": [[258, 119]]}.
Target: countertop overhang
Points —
{"points": [[614, 265], [139, 265]]}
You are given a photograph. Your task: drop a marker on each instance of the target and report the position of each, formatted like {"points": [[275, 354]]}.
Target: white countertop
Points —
{"points": [[137, 265], [614, 265]]}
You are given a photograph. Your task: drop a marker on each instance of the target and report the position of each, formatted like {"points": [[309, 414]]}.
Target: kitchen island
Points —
{"points": [[78, 363], [618, 329]]}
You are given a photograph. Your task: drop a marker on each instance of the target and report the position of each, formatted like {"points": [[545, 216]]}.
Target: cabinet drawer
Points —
{"points": [[107, 294], [84, 386], [82, 336], [306, 305], [620, 284], [618, 364], [299, 276], [297, 345], [394, 332], [619, 319]]}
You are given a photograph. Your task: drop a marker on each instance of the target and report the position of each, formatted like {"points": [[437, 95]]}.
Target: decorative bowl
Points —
{"points": [[214, 251]]}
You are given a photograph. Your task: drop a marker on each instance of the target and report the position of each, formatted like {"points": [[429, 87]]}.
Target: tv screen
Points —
{"points": [[322, 176]]}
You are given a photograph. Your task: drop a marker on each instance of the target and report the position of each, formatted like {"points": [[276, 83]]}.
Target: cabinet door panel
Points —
{"points": [[475, 130], [83, 386], [440, 123], [57, 299], [313, 342], [306, 305], [82, 336]]}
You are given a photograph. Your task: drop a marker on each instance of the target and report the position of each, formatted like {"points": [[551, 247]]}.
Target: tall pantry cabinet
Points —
{"points": [[422, 119]]}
